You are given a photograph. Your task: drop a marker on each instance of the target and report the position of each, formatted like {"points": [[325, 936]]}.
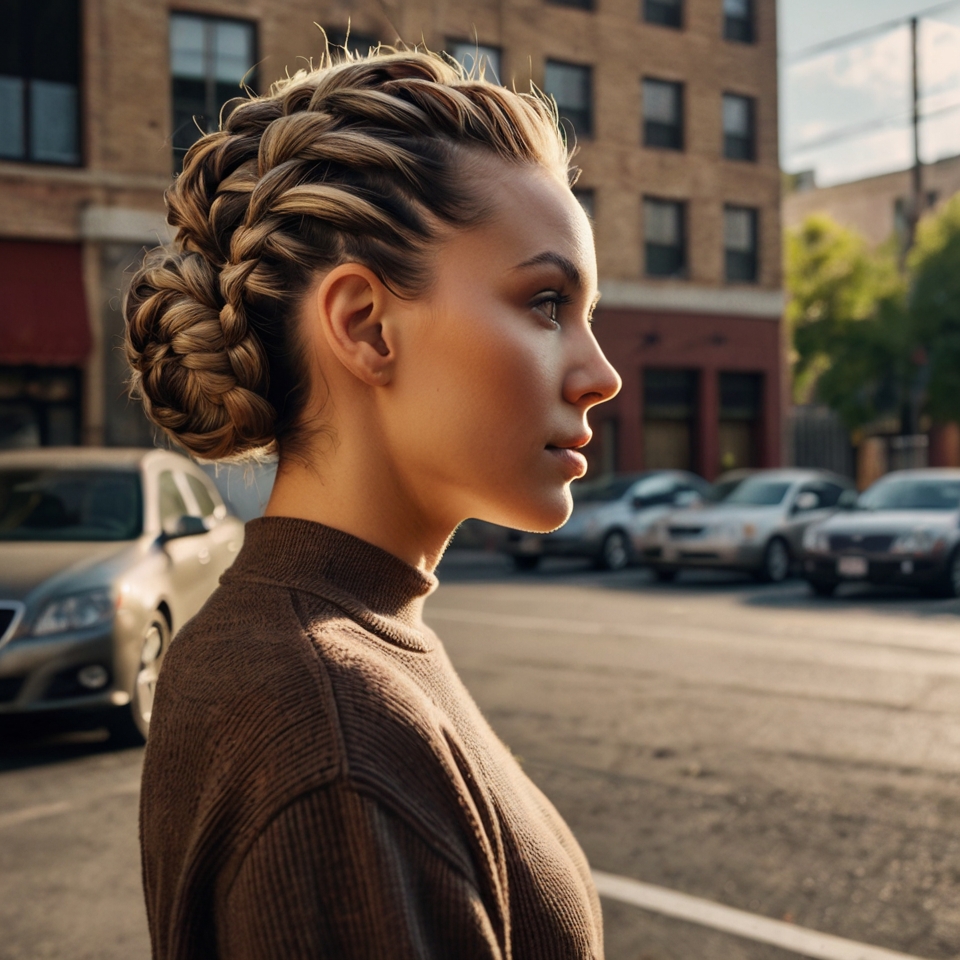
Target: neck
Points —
{"points": [[354, 489]]}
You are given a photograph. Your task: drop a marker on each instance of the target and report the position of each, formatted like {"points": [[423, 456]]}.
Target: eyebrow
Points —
{"points": [[569, 269]]}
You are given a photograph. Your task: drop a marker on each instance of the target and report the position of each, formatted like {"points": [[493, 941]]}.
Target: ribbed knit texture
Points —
{"points": [[318, 783]]}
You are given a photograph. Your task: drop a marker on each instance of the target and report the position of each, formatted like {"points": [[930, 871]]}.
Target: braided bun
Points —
{"points": [[354, 161]]}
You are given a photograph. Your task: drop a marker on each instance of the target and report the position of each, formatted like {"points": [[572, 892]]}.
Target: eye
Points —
{"points": [[548, 305]]}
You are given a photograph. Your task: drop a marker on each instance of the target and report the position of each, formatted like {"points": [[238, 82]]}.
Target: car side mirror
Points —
{"points": [[806, 501], [185, 526]]}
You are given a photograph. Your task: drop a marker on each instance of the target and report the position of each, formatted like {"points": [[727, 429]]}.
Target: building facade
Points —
{"points": [[673, 104], [878, 207]]}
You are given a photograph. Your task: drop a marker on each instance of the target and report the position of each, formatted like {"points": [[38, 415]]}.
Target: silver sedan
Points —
{"points": [[104, 554], [758, 528]]}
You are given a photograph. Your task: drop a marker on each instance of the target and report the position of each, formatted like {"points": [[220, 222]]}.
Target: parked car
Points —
{"points": [[757, 528], [608, 514], [104, 554], [905, 529]]}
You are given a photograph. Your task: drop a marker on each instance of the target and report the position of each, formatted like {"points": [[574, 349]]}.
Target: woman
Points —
{"points": [[380, 273]]}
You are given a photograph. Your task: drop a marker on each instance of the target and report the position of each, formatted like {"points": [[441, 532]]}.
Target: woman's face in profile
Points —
{"points": [[500, 365]]}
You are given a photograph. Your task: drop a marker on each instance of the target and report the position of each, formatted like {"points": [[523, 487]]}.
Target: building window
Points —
{"points": [[579, 4], [668, 13], [739, 127], [571, 85], [662, 114], [355, 42], [39, 406], [665, 243], [209, 59], [670, 400], [587, 199], [738, 21], [740, 244], [40, 81], [741, 395], [476, 56]]}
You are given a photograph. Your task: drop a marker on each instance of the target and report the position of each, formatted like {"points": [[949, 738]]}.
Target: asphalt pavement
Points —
{"points": [[793, 757]]}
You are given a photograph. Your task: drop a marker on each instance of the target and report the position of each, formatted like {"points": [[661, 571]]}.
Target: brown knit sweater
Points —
{"points": [[319, 784]]}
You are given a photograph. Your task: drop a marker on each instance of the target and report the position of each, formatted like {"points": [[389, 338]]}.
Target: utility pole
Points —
{"points": [[916, 200]]}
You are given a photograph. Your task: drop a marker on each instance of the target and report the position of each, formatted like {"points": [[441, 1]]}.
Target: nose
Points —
{"points": [[591, 378]]}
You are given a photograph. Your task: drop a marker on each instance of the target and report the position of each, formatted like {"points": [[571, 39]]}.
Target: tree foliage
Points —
{"points": [[849, 322]]}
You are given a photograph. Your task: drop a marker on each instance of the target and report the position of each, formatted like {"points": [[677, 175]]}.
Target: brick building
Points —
{"points": [[674, 104]]}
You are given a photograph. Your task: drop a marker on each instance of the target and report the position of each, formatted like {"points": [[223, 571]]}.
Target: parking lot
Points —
{"points": [[794, 757]]}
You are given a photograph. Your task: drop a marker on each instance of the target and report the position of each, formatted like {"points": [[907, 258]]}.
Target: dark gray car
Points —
{"points": [[905, 529], [104, 554]]}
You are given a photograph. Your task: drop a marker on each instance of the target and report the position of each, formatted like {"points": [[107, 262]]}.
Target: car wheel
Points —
{"points": [[776, 562], [526, 563], [665, 574], [823, 588], [615, 552], [132, 724]]}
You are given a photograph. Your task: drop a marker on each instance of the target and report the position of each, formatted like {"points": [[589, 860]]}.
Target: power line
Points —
{"points": [[807, 53]]}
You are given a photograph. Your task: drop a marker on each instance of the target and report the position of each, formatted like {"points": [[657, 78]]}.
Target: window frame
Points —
{"points": [[251, 77], [729, 252], [25, 33], [645, 16], [590, 132], [683, 268], [751, 151], [678, 143], [587, 5]]}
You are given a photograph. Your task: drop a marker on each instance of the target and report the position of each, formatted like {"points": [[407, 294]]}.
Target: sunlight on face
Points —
{"points": [[500, 364]]}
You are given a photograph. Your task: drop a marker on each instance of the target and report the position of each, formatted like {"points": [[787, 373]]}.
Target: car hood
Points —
{"points": [[709, 516], [888, 521], [44, 568]]}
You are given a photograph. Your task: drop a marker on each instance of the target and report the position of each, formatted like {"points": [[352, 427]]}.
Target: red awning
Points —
{"points": [[43, 310]]}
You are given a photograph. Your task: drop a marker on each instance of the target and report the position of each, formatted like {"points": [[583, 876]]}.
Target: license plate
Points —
{"points": [[852, 566]]}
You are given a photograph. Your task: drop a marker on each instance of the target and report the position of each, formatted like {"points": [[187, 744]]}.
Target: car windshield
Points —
{"points": [[70, 505], [757, 492], [906, 493], [600, 491]]}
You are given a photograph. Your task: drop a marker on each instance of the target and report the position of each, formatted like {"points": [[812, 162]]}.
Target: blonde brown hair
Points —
{"points": [[359, 161]]}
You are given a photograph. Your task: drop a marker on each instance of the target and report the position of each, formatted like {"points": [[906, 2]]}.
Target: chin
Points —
{"points": [[538, 514]]}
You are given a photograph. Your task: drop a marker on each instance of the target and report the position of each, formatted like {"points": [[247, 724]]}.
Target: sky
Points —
{"points": [[864, 84]]}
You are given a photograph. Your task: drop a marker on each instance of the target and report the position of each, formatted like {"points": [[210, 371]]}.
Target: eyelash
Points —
{"points": [[557, 300]]}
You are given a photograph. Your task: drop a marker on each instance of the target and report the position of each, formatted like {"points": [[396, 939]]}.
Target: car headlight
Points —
{"points": [[918, 541], [75, 612], [817, 541]]}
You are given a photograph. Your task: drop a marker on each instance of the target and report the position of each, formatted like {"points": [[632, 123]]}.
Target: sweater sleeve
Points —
{"points": [[337, 875]]}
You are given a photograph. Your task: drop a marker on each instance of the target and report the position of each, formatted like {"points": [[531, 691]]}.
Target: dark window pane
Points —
{"points": [[740, 244], [356, 42], [663, 230], [571, 85], [739, 126], [12, 118], [669, 394], [738, 21], [12, 37], [54, 110], [667, 13], [662, 114], [740, 396], [472, 57], [55, 41], [579, 4]]}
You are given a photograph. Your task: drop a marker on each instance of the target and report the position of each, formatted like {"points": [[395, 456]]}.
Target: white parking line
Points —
{"points": [[706, 913], [41, 810]]}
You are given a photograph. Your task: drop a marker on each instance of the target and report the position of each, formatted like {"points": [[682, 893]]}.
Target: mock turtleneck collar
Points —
{"points": [[372, 586]]}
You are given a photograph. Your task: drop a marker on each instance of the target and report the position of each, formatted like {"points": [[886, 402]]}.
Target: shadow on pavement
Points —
{"points": [[36, 741]]}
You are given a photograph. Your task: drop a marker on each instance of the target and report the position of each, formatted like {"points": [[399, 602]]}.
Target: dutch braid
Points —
{"points": [[354, 161]]}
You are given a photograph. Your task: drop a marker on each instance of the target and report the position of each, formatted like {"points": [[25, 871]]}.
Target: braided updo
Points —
{"points": [[358, 161]]}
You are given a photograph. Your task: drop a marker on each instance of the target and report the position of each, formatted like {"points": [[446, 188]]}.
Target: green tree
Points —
{"points": [[934, 264], [851, 334]]}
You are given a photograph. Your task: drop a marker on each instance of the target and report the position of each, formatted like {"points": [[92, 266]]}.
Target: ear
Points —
{"points": [[351, 302]]}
